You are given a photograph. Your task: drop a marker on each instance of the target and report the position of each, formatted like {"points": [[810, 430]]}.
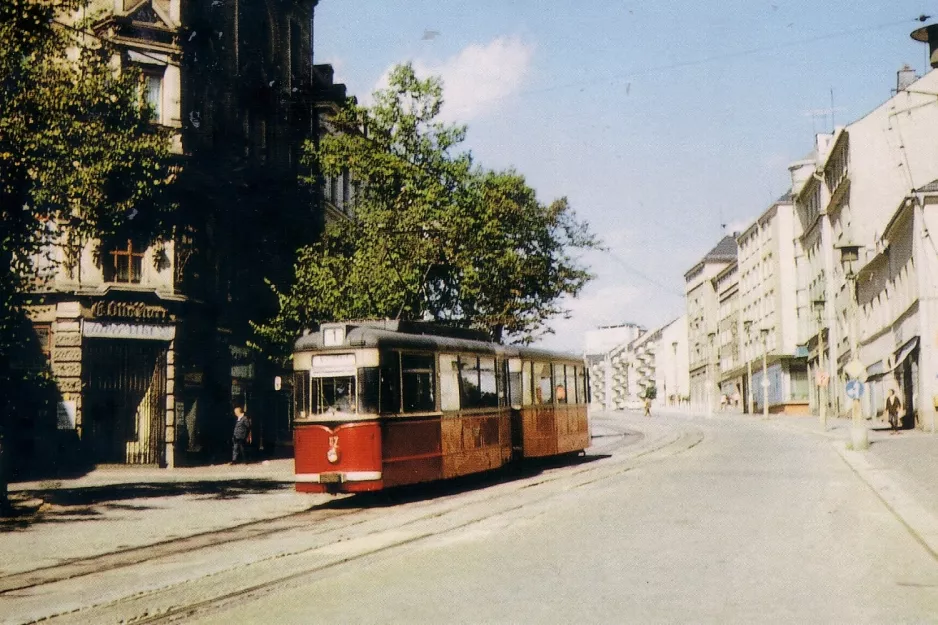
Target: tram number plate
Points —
{"points": [[329, 478]]}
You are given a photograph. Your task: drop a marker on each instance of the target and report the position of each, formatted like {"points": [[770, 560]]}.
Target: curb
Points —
{"points": [[922, 524]]}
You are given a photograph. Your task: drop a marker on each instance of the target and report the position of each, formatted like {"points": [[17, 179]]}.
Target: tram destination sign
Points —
{"points": [[138, 311]]}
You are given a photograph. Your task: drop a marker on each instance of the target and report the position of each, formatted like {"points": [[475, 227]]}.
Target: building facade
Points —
{"points": [[770, 314], [148, 339], [703, 323], [845, 201], [671, 370]]}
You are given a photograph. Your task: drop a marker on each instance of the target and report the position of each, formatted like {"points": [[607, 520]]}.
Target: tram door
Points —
{"points": [[124, 410]]}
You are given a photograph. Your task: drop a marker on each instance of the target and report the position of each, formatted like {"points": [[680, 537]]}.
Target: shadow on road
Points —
{"points": [[90, 503], [468, 483]]}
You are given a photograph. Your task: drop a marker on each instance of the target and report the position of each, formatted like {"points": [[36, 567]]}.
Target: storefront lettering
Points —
{"points": [[131, 310], [95, 329]]}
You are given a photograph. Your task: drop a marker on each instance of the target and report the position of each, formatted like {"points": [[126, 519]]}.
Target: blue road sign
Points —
{"points": [[854, 389]]}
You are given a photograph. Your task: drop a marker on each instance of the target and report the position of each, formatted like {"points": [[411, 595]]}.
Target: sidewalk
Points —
{"points": [[117, 508]]}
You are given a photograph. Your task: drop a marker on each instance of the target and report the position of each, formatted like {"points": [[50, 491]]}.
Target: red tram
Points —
{"points": [[387, 403]]}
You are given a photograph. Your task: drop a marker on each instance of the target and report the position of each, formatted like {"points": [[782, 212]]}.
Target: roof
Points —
{"points": [[416, 335], [931, 187], [726, 249]]}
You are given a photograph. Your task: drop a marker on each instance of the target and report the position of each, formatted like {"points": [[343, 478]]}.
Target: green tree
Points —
{"points": [[79, 160], [431, 236]]}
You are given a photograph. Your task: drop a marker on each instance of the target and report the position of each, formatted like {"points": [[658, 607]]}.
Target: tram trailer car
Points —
{"points": [[379, 404]]}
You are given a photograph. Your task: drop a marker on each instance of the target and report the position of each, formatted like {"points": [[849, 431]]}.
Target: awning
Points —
{"points": [[905, 350], [877, 368]]}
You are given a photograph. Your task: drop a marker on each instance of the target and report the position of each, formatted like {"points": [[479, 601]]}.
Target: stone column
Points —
{"points": [[67, 356], [170, 432]]}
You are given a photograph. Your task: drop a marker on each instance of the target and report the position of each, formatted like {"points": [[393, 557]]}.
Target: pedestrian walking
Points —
{"points": [[647, 407], [241, 436], [893, 406]]}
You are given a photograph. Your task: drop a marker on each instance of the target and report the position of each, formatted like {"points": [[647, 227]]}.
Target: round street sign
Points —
{"points": [[854, 389], [855, 368]]}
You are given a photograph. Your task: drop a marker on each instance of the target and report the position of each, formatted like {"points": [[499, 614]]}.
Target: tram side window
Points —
{"points": [[469, 393], [369, 378], [543, 385], [449, 382], [527, 396], [418, 381], [391, 383], [581, 385], [515, 383], [488, 387], [560, 384], [300, 394]]}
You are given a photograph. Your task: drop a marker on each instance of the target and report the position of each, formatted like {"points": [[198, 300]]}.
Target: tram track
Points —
{"points": [[321, 541]]}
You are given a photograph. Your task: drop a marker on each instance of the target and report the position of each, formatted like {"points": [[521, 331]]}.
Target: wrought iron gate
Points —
{"points": [[124, 413]]}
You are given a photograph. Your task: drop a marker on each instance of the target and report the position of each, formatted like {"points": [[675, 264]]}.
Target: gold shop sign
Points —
{"points": [[137, 311]]}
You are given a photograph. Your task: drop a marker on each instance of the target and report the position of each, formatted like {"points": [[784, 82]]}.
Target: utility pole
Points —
{"points": [[765, 373], [822, 377]]}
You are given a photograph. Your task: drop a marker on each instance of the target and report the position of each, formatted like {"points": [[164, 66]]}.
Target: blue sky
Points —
{"points": [[659, 121]]}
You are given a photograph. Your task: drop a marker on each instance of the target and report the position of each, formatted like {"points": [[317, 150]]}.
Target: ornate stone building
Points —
{"points": [[148, 339]]}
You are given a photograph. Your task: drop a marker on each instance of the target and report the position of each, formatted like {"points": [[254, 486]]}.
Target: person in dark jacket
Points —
{"points": [[241, 436]]}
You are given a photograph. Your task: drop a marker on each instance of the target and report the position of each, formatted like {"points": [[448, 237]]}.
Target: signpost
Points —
{"points": [[854, 389]]}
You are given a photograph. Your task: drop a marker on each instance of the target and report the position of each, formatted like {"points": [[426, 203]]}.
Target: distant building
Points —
{"points": [[671, 370], [769, 313], [612, 375], [703, 322]]}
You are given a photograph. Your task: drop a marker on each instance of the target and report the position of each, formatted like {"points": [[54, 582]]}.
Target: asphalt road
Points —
{"points": [[753, 524]]}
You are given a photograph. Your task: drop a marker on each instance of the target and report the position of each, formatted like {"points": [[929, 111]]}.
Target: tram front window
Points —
{"points": [[334, 394]]}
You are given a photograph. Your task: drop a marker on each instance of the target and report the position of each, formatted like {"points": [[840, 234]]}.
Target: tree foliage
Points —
{"points": [[79, 157], [431, 235]]}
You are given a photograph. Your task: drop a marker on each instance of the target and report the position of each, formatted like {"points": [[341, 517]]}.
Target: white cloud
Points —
{"points": [[607, 305], [479, 79]]}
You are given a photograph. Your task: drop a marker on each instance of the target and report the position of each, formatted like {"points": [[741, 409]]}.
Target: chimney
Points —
{"points": [[929, 34], [904, 78]]}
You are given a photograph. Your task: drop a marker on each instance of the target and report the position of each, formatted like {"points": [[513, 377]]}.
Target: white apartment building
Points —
{"points": [[671, 371], [729, 382], [611, 375], [846, 195], [703, 322], [769, 313], [897, 294]]}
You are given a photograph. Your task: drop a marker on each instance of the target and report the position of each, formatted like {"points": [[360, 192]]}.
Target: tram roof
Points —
{"points": [[379, 336]]}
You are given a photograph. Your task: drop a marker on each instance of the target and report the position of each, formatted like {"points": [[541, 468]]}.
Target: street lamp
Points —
{"points": [[849, 254], [765, 373], [822, 377], [711, 378], [748, 325]]}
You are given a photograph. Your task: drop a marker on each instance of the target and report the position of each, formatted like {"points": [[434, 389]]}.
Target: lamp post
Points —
{"points": [[765, 373], [711, 378], [677, 386], [822, 377], [849, 254], [748, 325]]}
